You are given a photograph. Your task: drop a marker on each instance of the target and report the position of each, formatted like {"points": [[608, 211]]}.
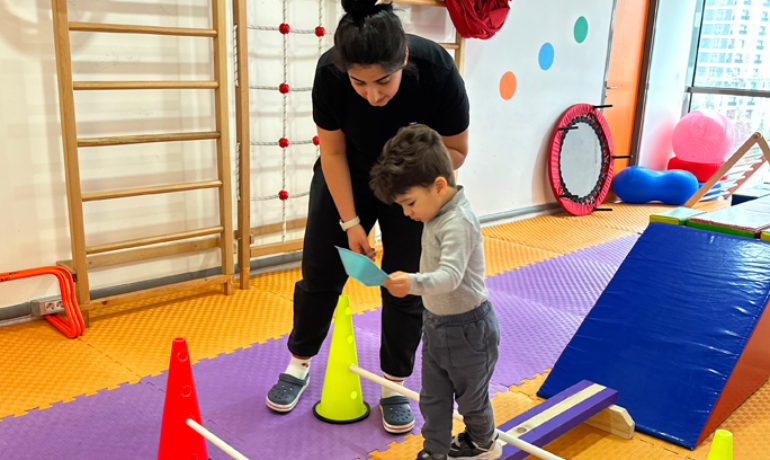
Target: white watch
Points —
{"points": [[350, 224]]}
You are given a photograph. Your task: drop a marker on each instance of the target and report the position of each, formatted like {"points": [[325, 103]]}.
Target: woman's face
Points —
{"points": [[375, 84]]}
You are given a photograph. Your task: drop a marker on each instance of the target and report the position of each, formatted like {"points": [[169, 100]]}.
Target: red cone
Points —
{"points": [[177, 440]]}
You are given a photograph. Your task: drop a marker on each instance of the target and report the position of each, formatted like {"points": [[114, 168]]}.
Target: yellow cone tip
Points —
{"points": [[721, 446]]}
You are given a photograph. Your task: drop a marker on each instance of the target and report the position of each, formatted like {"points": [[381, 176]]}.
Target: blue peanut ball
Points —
{"points": [[637, 184]]}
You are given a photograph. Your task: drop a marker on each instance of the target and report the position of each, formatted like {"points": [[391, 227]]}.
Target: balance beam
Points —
{"points": [[535, 428]]}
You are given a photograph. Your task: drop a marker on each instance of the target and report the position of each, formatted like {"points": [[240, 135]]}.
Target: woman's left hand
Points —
{"points": [[398, 284]]}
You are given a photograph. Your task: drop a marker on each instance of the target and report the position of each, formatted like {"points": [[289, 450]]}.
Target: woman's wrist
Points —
{"points": [[347, 225]]}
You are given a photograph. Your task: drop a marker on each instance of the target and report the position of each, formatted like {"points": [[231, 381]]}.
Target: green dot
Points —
{"points": [[581, 29], [350, 339], [353, 395]]}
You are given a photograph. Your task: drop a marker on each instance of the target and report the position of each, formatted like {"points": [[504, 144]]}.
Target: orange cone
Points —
{"points": [[177, 440]]}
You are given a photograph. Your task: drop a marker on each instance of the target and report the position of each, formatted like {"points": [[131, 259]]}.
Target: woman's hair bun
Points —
{"points": [[363, 8]]}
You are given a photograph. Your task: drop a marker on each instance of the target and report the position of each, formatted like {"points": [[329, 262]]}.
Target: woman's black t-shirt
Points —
{"points": [[431, 93]]}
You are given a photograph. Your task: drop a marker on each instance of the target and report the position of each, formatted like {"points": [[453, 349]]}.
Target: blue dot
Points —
{"points": [[545, 58]]}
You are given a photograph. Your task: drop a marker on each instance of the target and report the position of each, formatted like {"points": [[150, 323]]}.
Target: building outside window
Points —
{"points": [[728, 77]]}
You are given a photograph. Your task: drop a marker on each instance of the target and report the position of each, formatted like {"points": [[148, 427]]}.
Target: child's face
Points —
{"points": [[423, 203]]}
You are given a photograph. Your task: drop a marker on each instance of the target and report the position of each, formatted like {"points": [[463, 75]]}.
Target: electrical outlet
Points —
{"points": [[47, 307]]}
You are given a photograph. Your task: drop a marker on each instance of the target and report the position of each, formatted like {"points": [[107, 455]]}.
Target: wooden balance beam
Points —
{"points": [[585, 402]]}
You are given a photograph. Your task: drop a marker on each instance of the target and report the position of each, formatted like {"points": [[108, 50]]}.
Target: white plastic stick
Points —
{"points": [[514, 441], [226, 448]]}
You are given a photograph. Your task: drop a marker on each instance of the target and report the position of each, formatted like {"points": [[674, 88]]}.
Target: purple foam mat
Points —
{"points": [[532, 336], [539, 308], [115, 424], [611, 253], [231, 393], [571, 283]]}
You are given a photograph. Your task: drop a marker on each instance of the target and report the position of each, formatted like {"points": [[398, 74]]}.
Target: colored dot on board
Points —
{"points": [[545, 57], [508, 85], [581, 29]]}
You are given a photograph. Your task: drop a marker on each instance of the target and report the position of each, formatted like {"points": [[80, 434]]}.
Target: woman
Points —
{"points": [[375, 80]]}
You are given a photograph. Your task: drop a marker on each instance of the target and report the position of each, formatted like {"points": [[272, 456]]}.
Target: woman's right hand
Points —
{"points": [[359, 243]]}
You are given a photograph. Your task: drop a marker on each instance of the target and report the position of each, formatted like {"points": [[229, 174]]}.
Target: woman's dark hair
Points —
{"points": [[369, 33]]}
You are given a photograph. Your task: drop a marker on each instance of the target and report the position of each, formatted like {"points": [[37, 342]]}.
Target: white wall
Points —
{"points": [[667, 80], [506, 167], [505, 170]]}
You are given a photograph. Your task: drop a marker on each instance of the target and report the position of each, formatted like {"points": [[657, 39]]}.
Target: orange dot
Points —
{"points": [[508, 85]]}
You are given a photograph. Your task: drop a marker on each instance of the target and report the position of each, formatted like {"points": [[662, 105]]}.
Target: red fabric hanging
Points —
{"points": [[478, 18]]}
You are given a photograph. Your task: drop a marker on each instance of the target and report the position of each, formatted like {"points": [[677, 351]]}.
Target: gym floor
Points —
{"points": [[128, 346]]}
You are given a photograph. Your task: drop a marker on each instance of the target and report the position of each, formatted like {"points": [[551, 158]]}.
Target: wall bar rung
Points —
{"points": [[157, 190], [153, 240], [148, 30], [112, 85], [145, 138]]}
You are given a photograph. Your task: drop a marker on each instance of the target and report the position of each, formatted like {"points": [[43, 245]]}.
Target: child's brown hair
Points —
{"points": [[414, 157]]}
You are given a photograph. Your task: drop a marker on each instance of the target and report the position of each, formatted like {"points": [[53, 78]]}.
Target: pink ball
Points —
{"points": [[703, 136]]}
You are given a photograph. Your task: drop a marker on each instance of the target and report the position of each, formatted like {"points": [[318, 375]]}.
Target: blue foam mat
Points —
{"points": [[670, 327]]}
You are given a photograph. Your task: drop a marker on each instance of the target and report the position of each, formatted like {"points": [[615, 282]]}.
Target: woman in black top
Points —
{"points": [[375, 80]]}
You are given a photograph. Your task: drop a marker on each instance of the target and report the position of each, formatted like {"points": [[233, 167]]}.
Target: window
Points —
{"points": [[724, 15], [716, 58], [717, 43], [731, 54], [715, 72], [717, 29]]}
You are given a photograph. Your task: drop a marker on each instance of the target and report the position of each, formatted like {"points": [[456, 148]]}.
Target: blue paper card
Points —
{"points": [[361, 268]]}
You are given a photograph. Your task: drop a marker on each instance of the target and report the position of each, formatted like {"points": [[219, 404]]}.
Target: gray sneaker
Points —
{"points": [[285, 394], [463, 447]]}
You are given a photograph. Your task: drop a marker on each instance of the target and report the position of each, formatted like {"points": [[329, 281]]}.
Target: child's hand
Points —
{"points": [[398, 284]]}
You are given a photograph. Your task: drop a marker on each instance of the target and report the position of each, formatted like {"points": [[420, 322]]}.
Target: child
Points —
{"points": [[460, 330]]}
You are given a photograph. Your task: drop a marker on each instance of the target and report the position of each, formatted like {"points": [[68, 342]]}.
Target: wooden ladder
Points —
{"points": [[104, 255], [741, 165]]}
